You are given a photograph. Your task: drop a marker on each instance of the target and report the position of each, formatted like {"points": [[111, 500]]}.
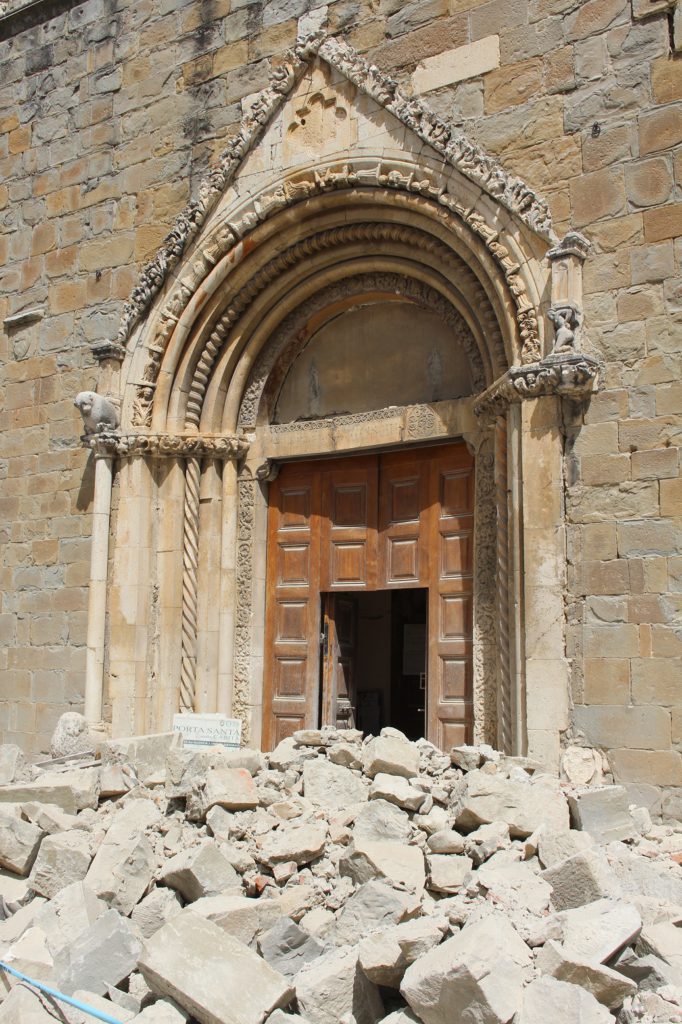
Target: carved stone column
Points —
{"points": [[97, 592], [485, 660]]}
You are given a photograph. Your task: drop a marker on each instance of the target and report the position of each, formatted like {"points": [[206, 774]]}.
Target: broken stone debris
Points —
{"points": [[336, 880]]}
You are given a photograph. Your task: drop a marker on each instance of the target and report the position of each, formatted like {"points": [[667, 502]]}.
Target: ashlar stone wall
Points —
{"points": [[110, 114]]}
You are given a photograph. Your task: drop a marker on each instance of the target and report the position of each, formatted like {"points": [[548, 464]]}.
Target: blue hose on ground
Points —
{"points": [[98, 1014]]}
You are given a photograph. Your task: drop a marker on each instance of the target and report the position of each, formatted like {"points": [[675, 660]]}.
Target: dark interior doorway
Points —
{"points": [[374, 658]]}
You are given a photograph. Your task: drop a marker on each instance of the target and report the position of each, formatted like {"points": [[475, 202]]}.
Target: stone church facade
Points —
{"points": [[372, 313]]}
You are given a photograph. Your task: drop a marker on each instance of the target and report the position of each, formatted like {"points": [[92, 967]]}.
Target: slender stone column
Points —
{"points": [[97, 595]]}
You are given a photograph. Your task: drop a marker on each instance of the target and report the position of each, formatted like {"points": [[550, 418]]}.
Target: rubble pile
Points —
{"points": [[336, 880]]}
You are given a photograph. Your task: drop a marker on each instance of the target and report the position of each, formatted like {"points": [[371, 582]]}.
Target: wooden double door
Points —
{"points": [[373, 522]]}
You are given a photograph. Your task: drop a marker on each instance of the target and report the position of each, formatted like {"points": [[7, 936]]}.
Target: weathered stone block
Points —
{"points": [[63, 859], [200, 871], [102, 955], [603, 812], [334, 988], [184, 958], [124, 863], [19, 843]]}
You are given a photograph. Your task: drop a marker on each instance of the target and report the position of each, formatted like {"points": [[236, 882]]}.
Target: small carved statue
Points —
{"points": [[98, 413], [566, 320]]}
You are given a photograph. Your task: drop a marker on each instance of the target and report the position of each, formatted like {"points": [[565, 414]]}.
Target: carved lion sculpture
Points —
{"points": [[98, 413], [71, 735]]}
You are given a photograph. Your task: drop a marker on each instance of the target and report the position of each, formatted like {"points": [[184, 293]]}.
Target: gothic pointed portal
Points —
{"points": [[354, 276]]}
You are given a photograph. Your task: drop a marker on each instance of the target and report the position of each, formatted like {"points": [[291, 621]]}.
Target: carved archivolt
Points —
{"points": [[282, 349], [457, 151], [351, 174]]}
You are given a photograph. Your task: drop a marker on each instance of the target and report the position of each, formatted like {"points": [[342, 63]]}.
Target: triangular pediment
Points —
{"points": [[323, 101]]}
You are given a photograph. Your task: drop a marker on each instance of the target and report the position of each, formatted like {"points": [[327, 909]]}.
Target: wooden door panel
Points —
{"points": [[292, 623], [403, 490], [349, 524], [450, 707]]}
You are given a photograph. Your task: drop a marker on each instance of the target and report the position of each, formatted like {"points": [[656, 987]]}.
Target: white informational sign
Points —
{"points": [[208, 730]]}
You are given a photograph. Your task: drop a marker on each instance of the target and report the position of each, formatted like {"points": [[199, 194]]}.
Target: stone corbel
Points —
{"points": [[268, 471], [568, 375]]}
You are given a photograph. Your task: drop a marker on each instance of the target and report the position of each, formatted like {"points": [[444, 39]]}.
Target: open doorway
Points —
{"points": [[374, 658]]}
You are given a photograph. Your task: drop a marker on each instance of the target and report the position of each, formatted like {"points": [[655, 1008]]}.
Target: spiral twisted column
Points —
{"points": [[190, 563], [504, 693]]}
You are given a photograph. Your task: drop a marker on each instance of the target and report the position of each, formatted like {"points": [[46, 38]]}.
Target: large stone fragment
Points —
{"points": [[124, 864], [97, 1002], [581, 879], [477, 975], [152, 912], [186, 772], [163, 1011], [367, 859], [639, 876], [85, 784], [200, 871], [663, 940], [63, 858], [297, 843], [392, 756], [210, 974], [373, 906], [548, 1000], [239, 916], [145, 755], [26, 1005], [384, 956], [231, 788], [396, 790], [12, 764], [60, 793], [382, 820], [514, 884], [600, 930], [603, 812], [333, 988], [332, 786], [287, 947], [104, 954], [608, 987], [523, 804], [446, 841], [447, 871], [70, 913], [19, 844], [29, 955], [555, 846], [50, 818]]}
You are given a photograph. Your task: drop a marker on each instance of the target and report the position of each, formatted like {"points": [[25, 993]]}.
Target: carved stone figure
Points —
{"points": [[566, 320], [98, 413]]}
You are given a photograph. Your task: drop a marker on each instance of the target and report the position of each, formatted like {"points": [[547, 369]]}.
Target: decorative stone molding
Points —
{"points": [[183, 446], [485, 655], [457, 151], [246, 514], [568, 376]]}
